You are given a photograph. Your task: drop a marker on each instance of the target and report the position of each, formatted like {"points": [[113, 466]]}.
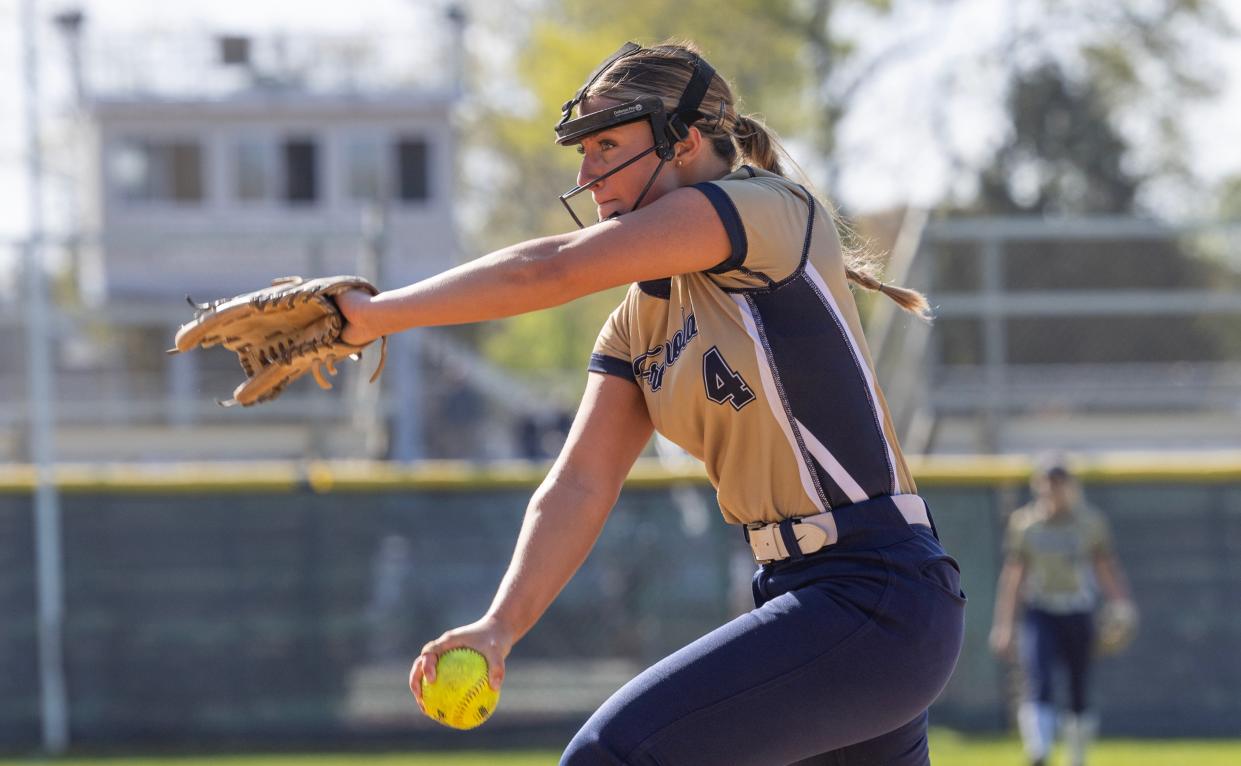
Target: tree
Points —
{"points": [[1063, 155], [1077, 76], [1076, 101], [1095, 93]]}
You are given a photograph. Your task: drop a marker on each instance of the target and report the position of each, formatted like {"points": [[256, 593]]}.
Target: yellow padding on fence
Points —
{"points": [[316, 475], [328, 476]]}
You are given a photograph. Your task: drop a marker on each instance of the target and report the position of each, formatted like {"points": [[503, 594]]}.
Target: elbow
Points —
{"points": [[591, 496], [546, 267], [564, 270]]}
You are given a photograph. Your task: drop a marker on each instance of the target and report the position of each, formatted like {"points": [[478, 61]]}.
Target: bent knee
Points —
{"points": [[589, 747], [605, 742]]}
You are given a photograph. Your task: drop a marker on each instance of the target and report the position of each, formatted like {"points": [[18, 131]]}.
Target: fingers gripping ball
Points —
{"points": [[460, 697]]}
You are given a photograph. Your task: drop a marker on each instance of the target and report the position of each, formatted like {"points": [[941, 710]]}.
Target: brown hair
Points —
{"points": [[740, 139]]}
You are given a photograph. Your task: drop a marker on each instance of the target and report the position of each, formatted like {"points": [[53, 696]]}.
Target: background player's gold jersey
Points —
{"points": [[758, 366], [1058, 553]]}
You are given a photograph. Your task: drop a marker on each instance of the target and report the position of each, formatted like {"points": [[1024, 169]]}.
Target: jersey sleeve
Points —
{"points": [[1099, 534], [611, 354], [769, 221], [1015, 538]]}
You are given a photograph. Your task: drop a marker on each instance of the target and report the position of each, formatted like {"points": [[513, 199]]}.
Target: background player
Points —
{"points": [[1057, 548], [738, 340]]}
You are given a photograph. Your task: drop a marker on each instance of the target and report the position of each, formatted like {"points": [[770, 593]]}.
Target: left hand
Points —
{"points": [[355, 306], [284, 331], [1116, 625]]}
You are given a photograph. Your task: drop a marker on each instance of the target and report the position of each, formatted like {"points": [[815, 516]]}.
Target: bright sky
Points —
{"points": [[888, 141], [958, 48]]}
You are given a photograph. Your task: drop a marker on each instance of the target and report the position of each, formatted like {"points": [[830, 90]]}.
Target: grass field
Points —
{"points": [[947, 749]]}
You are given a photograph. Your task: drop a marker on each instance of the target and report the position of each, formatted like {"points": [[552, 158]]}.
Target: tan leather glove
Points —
{"points": [[279, 334]]}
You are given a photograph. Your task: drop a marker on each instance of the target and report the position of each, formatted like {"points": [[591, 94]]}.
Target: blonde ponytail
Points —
{"points": [[759, 146], [911, 300], [757, 143]]}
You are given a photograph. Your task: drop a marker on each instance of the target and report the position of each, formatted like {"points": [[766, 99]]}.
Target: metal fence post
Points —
{"points": [[995, 346], [40, 393]]}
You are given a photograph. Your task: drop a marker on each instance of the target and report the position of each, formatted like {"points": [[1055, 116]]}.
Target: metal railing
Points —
{"points": [[109, 371], [997, 381]]}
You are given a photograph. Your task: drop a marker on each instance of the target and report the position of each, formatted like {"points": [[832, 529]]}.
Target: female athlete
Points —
{"points": [[738, 340], [1058, 555]]}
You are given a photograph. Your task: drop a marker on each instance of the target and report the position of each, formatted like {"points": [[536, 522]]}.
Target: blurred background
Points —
{"points": [[1063, 179]]}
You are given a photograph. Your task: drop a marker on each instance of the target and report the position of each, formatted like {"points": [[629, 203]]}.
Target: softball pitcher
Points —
{"points": [[738, 340]]}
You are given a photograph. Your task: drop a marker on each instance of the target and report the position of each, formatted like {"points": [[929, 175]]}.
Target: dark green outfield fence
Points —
{"points": [[280, 604]]}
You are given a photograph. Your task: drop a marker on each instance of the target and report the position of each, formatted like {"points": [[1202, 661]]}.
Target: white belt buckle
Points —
{"points": [[813, 533], [767, 543]]}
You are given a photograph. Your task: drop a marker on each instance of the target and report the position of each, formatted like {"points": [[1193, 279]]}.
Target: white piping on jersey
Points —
{"points": [[774, 401], [833, 467], [872, 390]]}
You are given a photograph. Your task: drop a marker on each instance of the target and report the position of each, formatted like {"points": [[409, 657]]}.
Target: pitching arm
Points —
{"points": [[568, 511], [562, 521]]}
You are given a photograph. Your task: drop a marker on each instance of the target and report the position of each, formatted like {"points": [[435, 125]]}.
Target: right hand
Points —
{"points": [[487, 636], [1001, 641]]}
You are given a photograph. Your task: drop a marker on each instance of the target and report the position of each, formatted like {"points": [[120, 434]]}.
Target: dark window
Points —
{"points": [[300, 171], [413, 183], [186, 172]]}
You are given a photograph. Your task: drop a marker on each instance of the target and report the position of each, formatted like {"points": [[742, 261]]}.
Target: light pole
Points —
{"points": [[40, 395]]}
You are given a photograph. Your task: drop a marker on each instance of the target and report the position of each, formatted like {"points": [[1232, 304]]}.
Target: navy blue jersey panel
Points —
{"points": [[835, 495], [657, 288], [731, 219], [610, 365], [823, 381]]}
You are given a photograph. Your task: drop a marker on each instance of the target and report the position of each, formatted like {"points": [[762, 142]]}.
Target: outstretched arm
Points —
{"points": [[677, 234], [561, 524]]}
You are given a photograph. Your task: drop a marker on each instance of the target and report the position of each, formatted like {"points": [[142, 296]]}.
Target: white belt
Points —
{"points": [[816, 532]]}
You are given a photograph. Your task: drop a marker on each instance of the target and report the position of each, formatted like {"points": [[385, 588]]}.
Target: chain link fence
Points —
{"points": [[288, 612]]}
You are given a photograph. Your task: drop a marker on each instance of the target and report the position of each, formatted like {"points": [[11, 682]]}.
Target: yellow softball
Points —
{"points": [[460, 697]]}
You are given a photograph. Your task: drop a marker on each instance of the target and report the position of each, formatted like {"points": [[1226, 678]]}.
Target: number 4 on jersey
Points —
{"points": [[722, 382]]}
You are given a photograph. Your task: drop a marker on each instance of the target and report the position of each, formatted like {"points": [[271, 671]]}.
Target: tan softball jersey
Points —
{"points": [[758, 366], [1058, 553]]}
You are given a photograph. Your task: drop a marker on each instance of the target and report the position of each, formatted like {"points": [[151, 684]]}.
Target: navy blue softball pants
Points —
{"points": [[837, 664], [1050, 641]]}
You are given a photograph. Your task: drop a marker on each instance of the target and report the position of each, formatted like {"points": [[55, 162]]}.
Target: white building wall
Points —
{"points": [[224, 245]]}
